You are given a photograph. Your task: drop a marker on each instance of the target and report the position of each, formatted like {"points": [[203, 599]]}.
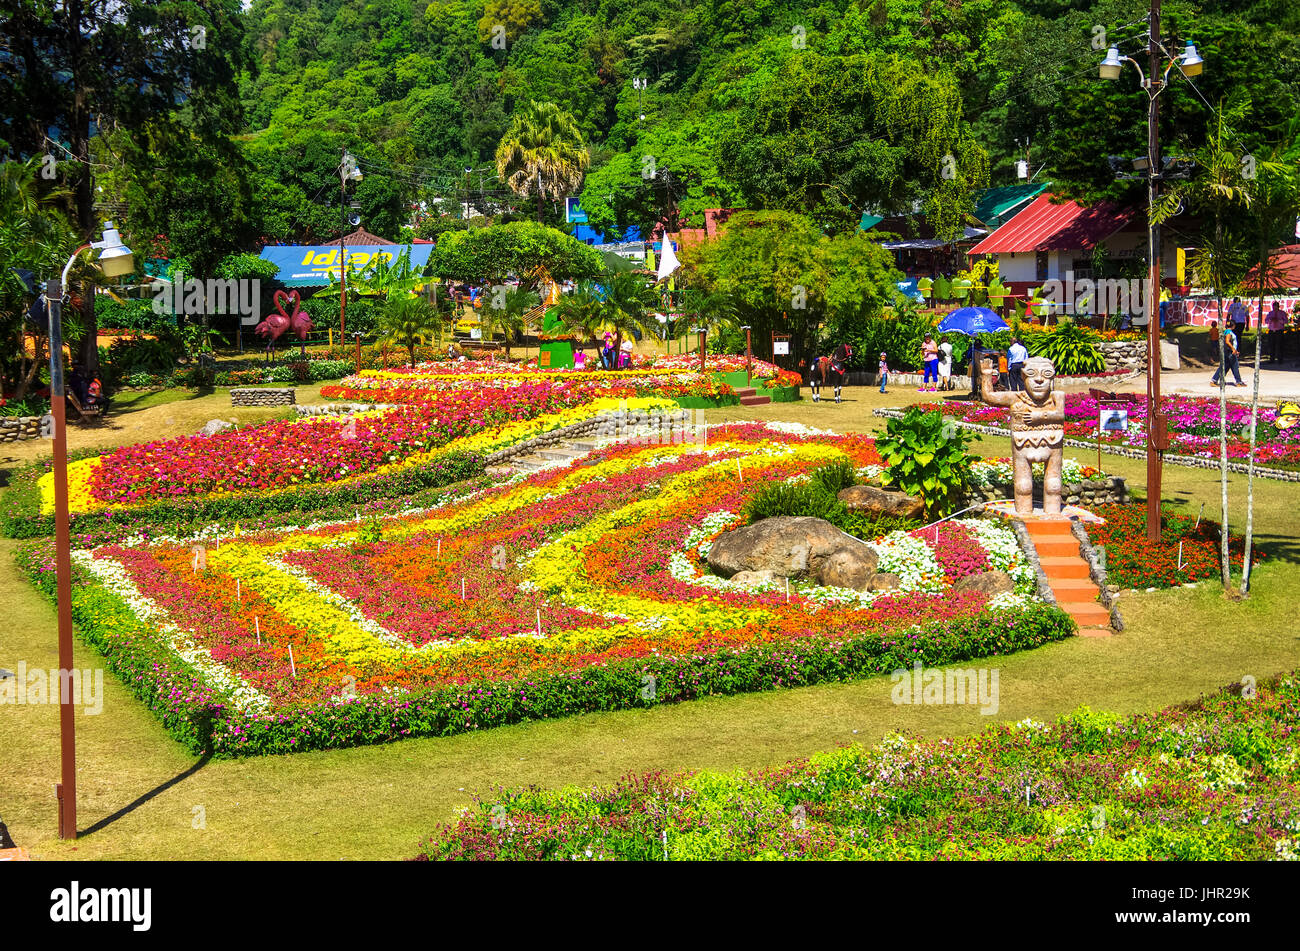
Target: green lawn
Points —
{"points": [[139, 790]]}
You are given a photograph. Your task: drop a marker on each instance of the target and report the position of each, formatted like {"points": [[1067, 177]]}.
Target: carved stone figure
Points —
{"points": [[1037, 431]]}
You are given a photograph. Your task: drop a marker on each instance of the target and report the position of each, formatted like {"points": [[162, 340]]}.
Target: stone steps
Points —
{"points": [[1068, 575], [755, 400]]}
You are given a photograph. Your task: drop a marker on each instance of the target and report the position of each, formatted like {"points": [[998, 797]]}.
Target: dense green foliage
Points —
{"points": [[816, 498], [927, 459], [1071, 348]]}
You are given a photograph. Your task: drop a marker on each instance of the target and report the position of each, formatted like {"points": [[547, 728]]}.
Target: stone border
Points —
{"points": [[264, 396], [1097, 572], [13, 428], [340, 409], [1194, 462], [863, 378], [1031, 555], [613, 424]]}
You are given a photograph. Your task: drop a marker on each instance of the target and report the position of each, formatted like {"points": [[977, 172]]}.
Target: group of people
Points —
{"points": [[609, 358], [937, 358], [1275, 324]]}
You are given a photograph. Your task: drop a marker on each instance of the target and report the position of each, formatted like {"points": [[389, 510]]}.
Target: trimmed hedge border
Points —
{"points": [[1194, 462], [200, 719]]}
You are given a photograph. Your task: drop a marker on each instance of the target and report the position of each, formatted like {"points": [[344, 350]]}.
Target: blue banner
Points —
{"points": [[573, 212], [310, 265]]}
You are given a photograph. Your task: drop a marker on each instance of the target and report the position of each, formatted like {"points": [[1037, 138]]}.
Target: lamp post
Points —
{"points": [[115, 259], [1154, 81], [701, 332], [348, 172], [749, 356]]}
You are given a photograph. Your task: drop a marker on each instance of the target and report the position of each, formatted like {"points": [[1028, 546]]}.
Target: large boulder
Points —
{"points": [[872, 498], [885, 581], [749, 578], [987, 582], [853, 566], [787, 546]]}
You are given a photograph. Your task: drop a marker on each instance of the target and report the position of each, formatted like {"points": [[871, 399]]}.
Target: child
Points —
{"points": [[884, 371], [579, 361], [945, 366]]}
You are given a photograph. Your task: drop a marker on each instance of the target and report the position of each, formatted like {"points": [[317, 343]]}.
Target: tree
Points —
{"points": [[627, 306], [529, 251], [408, 321], [506, 311], [78, 66], [579, 313], [1219, 263], [542, 154]]}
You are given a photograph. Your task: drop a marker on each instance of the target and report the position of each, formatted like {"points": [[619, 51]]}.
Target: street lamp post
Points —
{"points": [[1154, 81], [115, 260], [348, 171], [749, 355]]}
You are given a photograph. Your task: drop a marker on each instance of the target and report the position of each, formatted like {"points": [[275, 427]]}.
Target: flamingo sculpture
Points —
{"points": [[275, 325]]}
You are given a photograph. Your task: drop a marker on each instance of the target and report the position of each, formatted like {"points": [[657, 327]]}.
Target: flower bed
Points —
{"points": [[568, 590], [1134, 562], [1214, 780], [1193, 427]]}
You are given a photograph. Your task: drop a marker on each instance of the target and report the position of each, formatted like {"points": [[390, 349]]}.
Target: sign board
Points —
{"points": [[1112, 419], [544, 358], [313, 265], [781, 348], [573, 212], [476, 333]]}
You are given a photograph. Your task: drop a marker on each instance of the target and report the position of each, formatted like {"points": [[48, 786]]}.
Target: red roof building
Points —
{"points": [[359, 238], [1284, 271]]}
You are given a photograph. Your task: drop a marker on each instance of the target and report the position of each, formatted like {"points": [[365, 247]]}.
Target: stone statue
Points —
{"points": [[1037, 431]]}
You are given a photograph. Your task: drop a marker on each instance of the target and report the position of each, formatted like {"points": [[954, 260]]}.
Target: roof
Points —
{"points": [[1283, 272], [1044, 226], [869, 221], [996, 205], [360, 237], [714, 219]]}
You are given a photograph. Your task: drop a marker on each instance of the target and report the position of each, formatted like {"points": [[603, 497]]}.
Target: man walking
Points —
{"points": [[1229, 359], [1238, 316], [1017, 354]]}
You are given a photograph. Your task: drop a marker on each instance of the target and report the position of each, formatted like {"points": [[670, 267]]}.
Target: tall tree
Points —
{"points": [[82, 66], [542, 154]]}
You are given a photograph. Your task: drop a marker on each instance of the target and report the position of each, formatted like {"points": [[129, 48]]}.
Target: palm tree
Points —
{"points": [[542, 153], [1276, 192], [627, 306], [715, 311], [580, 313], [1219, 263], [509, 318], [406, 321]]}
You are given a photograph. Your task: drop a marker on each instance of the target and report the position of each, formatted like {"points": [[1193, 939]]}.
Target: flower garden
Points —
{"points": [[570, 589], [1193, 427], [1214, 780]]}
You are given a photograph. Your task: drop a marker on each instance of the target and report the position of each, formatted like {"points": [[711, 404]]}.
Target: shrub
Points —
{"points": [[131, 314], [927, 459], [128, 357], [816, 498], [1072, 349]]}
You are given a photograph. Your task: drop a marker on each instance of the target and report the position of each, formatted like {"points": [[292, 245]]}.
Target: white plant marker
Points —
{"points": [[358, 515], [439, 547], [1198, 517], [539, 622], [1180, 554], [787, 589], [238, 596], [462, 587], [292, 669], [739, 473], [257, 626]]}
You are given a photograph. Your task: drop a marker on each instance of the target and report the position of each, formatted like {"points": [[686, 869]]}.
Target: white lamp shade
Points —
{"points": [[1111, 65], [1191, 63], [115, 262]]}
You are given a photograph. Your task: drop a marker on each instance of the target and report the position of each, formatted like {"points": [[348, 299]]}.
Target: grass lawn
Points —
{"points": [[139, 791]]}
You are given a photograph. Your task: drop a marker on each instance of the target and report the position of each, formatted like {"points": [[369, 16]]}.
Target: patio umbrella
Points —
{"points": [[971, 321]]}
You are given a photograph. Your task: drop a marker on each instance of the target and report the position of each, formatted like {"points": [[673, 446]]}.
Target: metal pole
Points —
{"points": [[749, 357], [67, 789], [1156, 80], [343, 250]]}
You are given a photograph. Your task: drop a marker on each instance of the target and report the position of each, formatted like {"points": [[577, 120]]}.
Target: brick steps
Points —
{"points": [[755, 400], [1068, 575]]}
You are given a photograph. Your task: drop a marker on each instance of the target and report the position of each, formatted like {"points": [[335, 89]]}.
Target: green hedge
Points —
{"points": [[202, 721], [22, 519]]}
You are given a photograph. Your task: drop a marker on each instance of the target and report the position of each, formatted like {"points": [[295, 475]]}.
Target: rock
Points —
{"points": [[849, 567], [753, 577], [214, 426], [872, 498], [986, 582], [788, 546], [885, 581]]}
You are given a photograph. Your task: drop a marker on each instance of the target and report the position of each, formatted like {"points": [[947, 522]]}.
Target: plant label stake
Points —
{"points": [[237, 594], [1198, 517], [739, 474], [439, 547], [257, 626], [1180, 554], [358, 515], [292, 669], [787, 590], [539, 622], [462, 587]]}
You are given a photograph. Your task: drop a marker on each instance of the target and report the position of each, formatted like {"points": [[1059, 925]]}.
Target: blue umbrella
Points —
{"points": [[971, 321]]}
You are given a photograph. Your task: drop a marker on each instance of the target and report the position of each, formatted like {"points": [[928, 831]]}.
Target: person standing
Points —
{"points": [[1238, 316], [930, 356], [945, 366], [1016, 357], [1275, 321], [1229, 359], [883, 371]]}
